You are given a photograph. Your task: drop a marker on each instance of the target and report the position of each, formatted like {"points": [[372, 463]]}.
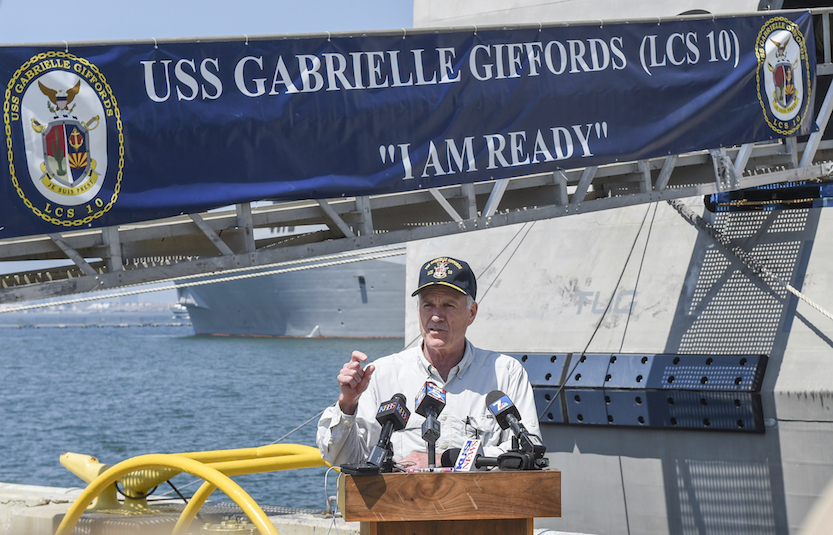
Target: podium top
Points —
{"points": [[495, 494]]}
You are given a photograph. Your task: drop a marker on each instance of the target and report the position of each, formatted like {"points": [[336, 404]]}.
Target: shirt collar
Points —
{"points": [[468, 358], [459, 370]]}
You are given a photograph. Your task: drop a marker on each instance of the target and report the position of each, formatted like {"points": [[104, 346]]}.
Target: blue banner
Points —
{"points": [[106, 134]]}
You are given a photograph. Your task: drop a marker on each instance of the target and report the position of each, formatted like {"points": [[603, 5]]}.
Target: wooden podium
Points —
{"points": [[494, 502]]}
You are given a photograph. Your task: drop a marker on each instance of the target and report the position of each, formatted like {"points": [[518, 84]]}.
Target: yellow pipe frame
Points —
{"points": [[190, 510], [214, 467], [236, 468]]}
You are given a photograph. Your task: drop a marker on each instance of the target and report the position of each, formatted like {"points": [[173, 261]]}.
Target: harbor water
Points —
{"points": [[119, 385]]}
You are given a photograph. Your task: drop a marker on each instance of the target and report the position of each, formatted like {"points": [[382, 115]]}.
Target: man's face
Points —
{"points": [[444, 317]]}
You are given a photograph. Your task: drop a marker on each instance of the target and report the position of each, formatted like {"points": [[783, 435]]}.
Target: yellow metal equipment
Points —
{"points": [[135, 484], [139, 474]]}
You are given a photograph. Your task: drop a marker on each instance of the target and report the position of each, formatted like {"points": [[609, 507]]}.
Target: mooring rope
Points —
{"points": [[340, 259], [745, 258]]}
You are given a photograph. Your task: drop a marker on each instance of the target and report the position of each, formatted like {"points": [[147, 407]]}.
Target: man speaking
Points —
{"points": [[446, 294]]}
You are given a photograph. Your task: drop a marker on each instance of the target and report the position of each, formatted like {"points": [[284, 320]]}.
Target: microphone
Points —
{"points": [[393, 415], [449, 457], [507, 416], [511, 460], [467, 458], [430, 402]]}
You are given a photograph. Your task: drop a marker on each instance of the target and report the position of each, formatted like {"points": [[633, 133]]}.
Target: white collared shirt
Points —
{"points": [[344, 438]]}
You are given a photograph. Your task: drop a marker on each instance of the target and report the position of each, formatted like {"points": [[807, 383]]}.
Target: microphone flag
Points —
{"points": [[468, 455]]}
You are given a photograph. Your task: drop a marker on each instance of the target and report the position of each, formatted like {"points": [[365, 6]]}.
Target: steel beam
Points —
{"points": [[445, 204], [471, 200], [365, 215], [742, 158], [211, 235], [113, 259], [822, 118], [496, 196], [583, 185], [336, 219], [665, 173], [244, 222], [73, 255]]}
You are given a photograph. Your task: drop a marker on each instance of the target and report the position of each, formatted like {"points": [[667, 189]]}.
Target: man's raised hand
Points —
{"points": [[353, 381]]}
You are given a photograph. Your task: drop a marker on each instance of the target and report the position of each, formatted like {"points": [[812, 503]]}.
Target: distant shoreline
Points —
{"points": [[144, 315]]}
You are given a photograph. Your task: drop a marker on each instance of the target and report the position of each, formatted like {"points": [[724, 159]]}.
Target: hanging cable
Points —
{"points": [[601, 319], [638, 277], [528, 227], [302, 425], [184, 499]]}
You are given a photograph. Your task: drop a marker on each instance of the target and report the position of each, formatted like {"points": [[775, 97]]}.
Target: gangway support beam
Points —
{"points": [[524, 204], [365, 215], [113, 259], [495, 197], [822, 118], [724, 170], [742, 158], [583, 186], [471, 200], [73, 255], [345, 229], [645, 185], [665, 173], [244, 222], [791, 148], [211, 235], [562, 197], [445, 204]]}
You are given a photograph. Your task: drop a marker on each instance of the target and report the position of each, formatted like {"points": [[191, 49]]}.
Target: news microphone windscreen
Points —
{"points": [[430, 395], [394, 411], [501, 407], [449, 457], [493, 396]]}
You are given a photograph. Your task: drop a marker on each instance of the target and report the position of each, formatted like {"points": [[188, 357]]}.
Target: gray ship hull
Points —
{"points": [[672, 289], [357, 300]]}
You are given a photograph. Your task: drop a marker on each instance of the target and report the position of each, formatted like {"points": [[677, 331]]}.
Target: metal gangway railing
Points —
{"points": [[215, 468], [224, 241]]}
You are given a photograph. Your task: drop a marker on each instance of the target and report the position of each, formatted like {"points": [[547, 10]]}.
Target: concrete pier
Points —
{"points": [[36, 510]]}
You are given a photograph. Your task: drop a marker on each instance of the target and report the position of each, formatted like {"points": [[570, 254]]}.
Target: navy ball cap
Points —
{"points": [[446, 271]]}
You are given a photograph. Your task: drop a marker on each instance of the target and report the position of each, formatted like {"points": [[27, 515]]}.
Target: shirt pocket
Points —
{"points": [[482, 426]]}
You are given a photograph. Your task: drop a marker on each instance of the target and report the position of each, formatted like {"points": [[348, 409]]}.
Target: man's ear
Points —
{"points": [[473, 311]]}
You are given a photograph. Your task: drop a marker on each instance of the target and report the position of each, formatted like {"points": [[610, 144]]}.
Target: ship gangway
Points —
{"points": [[223, 241]]}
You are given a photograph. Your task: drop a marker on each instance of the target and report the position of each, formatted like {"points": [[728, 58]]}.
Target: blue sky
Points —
{"points": [[48, 21]]}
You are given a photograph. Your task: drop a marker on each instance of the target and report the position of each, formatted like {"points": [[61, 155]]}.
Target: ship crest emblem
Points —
{"points": [[441, 270], [62, 107], [67, 163], [783, 85]]}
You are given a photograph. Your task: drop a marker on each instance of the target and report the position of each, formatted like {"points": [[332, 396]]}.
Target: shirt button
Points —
{"points": [[444, 446], [444, 418], [347, 424]]}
